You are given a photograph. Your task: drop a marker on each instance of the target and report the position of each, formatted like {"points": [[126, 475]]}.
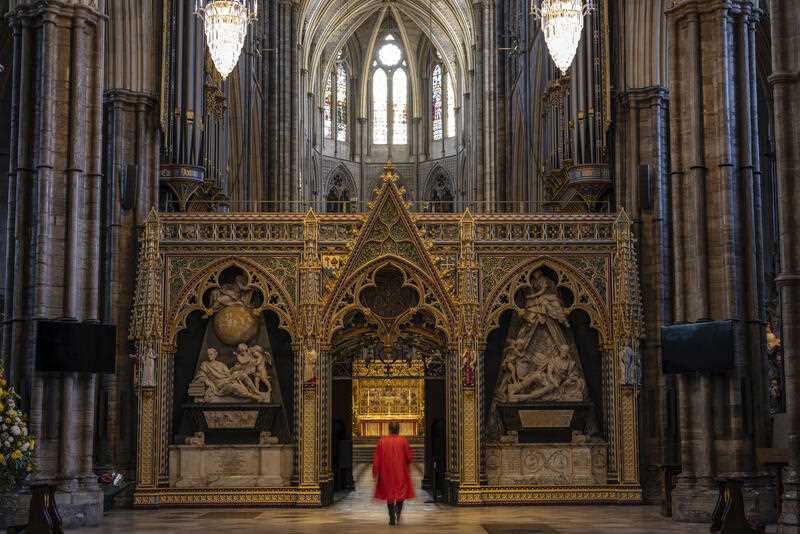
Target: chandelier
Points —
{"points": [[225, 25], [562, 24]]}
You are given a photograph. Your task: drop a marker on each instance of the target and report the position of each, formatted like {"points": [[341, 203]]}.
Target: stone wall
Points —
{"points": [[56, 199]]}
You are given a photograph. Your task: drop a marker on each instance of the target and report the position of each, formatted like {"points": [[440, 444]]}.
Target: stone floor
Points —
{"points": [[357, 513]]}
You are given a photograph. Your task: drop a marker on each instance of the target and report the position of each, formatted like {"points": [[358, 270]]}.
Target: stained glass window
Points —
{"points": [[436, 90], [341, 102], [327, 112], [451, 107], [380, 100], [390, 55], [399, 107]]}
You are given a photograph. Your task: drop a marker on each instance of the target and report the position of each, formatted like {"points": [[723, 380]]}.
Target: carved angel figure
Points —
{"points": [[233, 293]]}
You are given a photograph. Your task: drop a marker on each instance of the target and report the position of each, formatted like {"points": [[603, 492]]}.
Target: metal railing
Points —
{"points": [[356, 206]]}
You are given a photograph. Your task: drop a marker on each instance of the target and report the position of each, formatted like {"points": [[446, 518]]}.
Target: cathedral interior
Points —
{"points": [[557, 241]]}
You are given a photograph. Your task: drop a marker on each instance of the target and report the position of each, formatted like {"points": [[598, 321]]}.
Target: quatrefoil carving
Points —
{"points": [[389, 297]]}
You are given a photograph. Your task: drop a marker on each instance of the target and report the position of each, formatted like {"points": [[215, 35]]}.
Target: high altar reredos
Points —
{"points": [[470, 272]]}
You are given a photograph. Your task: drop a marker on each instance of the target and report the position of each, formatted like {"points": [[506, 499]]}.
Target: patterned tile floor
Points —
{"points": [[357, 513]]}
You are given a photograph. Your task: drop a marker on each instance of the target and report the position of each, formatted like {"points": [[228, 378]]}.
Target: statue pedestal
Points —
{"points": [[230, 466], [546, 464], [233, 422], [545, 445]]}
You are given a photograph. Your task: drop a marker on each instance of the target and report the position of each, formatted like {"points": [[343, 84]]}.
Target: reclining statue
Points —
{"points": [[243, 381]]}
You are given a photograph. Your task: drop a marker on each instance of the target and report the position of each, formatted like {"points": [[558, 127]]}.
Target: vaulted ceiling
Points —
{"points": [[327, 25]]}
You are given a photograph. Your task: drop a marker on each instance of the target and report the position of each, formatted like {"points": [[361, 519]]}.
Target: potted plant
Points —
{"points": [[16, 450]]}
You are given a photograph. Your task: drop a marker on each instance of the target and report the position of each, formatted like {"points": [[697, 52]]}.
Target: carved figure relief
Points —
{"points": [[539, 362], [630, 367], [310, 367], [468, 368], [147, 368], [247, 380]]}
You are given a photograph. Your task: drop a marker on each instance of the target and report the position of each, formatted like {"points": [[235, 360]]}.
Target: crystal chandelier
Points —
{"points": [[225, 25], [562, 24]]}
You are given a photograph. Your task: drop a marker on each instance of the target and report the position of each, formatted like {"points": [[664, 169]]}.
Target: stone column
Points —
{"points": [[55, 224], [785, 82], [642, 191], [131, 157], [363, 144], [717, 273], [131, 168], [641, 145], [485, 89]]}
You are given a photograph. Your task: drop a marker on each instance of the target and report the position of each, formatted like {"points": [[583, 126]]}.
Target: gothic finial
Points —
{"points": [[623, 217], [389, 174], [152, 216]]}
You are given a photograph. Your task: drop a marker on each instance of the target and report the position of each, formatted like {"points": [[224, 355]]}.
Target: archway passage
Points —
{"points": [[381, 377], [387, 328]]}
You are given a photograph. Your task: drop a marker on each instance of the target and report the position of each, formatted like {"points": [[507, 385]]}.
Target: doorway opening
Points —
{"points": [[373, 394], [388, 364]]}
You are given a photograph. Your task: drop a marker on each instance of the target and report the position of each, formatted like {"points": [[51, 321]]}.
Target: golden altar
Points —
{"points": [[379, 401], [372, 426]]}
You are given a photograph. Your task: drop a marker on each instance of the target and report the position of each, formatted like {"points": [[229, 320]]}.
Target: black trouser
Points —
{"points": [[395, 509]]}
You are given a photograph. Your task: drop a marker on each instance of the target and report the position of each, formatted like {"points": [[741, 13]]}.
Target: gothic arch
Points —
{"points": [[339, 188], [347, 297], [585, 296], [190, 297], [440, 189], [388, 237]]}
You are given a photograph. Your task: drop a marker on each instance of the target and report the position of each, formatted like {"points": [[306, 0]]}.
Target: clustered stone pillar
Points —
{"points": [[785, 81], [485, 90], [642, 190], [641, 187], [714, 201], [284, 101], [53, 268], [131, 140]]}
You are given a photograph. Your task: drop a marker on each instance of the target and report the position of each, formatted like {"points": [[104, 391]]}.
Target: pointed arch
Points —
{"points": [[388, 237], [585, 296], [440, 190], [276, 297], [339, 189]]}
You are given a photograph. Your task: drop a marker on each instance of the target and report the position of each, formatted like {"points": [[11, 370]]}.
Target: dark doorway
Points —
{"points": [[353, 441]]}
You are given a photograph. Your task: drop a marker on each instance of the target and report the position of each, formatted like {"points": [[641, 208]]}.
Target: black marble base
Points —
{"points": [[512, 422], [267, 420]]}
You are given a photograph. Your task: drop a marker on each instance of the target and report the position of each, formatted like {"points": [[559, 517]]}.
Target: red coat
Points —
{"points": [[390, 465]]}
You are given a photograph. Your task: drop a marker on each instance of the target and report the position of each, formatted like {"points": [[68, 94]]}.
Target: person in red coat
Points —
{"points": [[390, 467]]}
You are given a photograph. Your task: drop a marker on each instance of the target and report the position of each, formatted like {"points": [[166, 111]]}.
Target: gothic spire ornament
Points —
{"points": [[225, 23], [562, 25]]}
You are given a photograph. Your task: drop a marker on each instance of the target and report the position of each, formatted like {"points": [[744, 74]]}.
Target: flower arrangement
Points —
{"points": [[16, 445]]}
